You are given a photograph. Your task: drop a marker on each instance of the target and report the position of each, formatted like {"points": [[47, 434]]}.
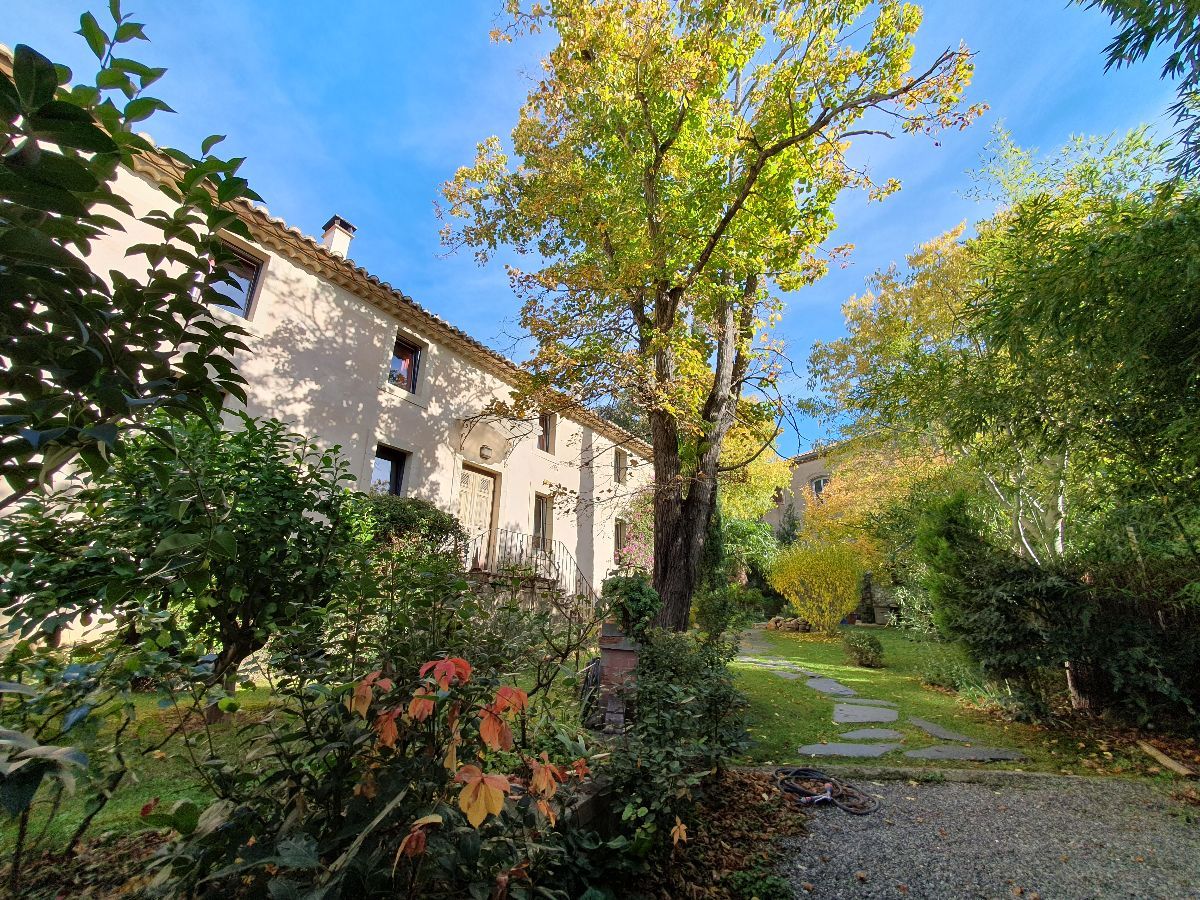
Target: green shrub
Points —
{"points": [[865, 649], [413, 523], [633, 600], [686, 723], [1024, 624], [945, 665], [716, 611]]}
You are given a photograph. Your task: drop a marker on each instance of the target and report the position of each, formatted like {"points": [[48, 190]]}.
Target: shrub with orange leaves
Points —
{"points": [[447, 671], [481, 794]]}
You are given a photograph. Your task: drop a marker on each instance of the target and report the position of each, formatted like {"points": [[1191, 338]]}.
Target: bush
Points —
{"points": [[357, 789], [821, 581], [1023, 625], [687, 723], [864, 649], [414, 524], [234, 534], [633, 600]]}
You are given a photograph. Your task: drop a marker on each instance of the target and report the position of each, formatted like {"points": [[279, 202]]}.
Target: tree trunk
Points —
{"points": [[1089, 691], [233, 653], [682, 518]]}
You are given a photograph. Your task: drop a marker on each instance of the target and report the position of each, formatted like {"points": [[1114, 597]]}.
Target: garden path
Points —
{"points": [[850, 709]]}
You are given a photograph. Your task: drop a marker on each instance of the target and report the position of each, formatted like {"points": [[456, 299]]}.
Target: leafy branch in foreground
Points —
{"points": [[90, 353]]}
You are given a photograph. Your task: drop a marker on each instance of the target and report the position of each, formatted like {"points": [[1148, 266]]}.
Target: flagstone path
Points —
{"points": [[850, 709]]}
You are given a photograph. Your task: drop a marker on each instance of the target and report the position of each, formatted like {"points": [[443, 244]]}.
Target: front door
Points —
{"points": [[476, 493]]}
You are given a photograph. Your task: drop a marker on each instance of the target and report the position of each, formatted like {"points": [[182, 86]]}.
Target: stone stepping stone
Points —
{"points": [[976, 754], [866, 701], [852, 714], [790, 676], [831, 687], [872, 734], [935, 730], [847, 749]]}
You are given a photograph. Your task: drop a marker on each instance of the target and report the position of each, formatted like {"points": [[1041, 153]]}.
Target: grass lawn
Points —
{"points": [[784, 715], [167, 775]]}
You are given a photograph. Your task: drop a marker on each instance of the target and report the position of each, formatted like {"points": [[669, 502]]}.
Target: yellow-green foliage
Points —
{"points": [[820, 581]]}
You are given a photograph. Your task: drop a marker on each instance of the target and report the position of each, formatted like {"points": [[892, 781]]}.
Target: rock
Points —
{"points": [[953, 751], [791, 625], [831, 687], [847, 749], [872, 734], [866, 701], [775, 623], [935, 730], [850, 714]]}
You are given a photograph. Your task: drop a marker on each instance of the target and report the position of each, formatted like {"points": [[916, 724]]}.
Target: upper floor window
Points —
{"points": [[545, 432], [406, 359], [244, 270], [818, 485], [387, 473], [620, 466]]}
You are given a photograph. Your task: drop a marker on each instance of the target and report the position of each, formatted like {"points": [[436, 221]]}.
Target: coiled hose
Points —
{"points": [[808, 787]]}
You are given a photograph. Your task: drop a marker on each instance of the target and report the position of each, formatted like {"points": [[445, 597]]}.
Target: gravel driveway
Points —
{"points": [[1017, 837]]}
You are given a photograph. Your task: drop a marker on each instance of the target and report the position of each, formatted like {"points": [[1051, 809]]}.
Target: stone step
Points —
{"points": [[851, 714], [933, 729], [872, 734], [975, 754], [836, 749]]}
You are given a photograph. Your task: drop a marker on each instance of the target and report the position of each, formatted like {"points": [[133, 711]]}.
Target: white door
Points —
{"points": [[476, 493]]}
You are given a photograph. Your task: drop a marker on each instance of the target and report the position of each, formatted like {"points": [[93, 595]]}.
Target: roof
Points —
{"points": [[274, 232]]}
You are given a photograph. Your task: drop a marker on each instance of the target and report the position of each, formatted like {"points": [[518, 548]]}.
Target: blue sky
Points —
{"points": [[365, 107]]}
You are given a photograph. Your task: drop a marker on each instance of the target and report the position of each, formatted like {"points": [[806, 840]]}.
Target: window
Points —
{"points": [[620, 539], [620, 466], [244, 270], [545, 433], [818, 485], [387, 475], [406, 358], [542, 515]]}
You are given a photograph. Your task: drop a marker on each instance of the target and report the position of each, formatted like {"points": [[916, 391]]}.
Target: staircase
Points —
{"points": [[499, 551]]}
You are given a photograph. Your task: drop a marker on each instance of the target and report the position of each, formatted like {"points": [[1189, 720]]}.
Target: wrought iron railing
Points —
{"points": [[500, 551]]}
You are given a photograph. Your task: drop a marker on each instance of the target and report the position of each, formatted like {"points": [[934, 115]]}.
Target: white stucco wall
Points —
{"points": [[318, 359], [803, 472]]}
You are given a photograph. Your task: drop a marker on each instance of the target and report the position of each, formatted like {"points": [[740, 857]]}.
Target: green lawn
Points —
{"points": [[785, 715], [167, 775]]}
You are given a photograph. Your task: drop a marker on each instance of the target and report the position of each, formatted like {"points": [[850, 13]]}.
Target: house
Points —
{"points": [[810, 476], [351, 361]]}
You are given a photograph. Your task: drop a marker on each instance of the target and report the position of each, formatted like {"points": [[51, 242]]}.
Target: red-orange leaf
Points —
{"points": [[494, 731], [421, 706], [447, 671], [385, 727], [511, 698]]}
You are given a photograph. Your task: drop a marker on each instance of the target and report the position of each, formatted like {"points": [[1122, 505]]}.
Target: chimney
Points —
{"points": [[338, 233]]}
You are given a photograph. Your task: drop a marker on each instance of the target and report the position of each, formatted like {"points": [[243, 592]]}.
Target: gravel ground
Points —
{"points": [[1047, 837]]}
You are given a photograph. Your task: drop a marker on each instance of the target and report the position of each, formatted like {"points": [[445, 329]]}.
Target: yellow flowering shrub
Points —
{"points": [[820, 581]]}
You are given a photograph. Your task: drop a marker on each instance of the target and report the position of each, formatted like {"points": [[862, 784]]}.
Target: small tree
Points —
{"points": [[679, 162], [236, 533], [821, 581]]}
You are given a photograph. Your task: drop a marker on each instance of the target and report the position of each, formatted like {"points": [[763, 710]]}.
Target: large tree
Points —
{"points": [[678, 165]]}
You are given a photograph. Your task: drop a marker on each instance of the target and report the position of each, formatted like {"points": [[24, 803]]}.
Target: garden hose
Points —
{"points": [[808, 787]]}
